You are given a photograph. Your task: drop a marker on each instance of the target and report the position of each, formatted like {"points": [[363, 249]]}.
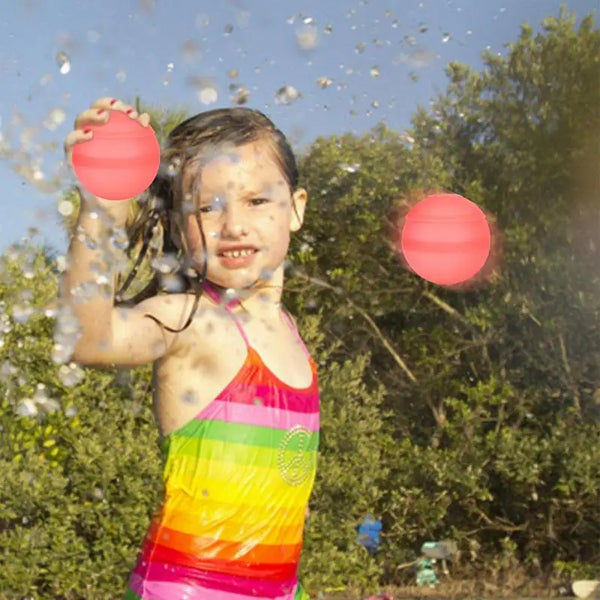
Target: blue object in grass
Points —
{"points": [[369, 532]]}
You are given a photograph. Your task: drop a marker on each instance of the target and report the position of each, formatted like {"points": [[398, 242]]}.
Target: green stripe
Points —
{"points": [[248, 435], [238, 454]]}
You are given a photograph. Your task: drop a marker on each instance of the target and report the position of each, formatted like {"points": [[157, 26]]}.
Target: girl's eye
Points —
{"points": [[259, 201], [215, 205]]}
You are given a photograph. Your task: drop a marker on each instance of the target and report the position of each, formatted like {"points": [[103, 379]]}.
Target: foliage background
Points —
{"points": [[470, 413]]}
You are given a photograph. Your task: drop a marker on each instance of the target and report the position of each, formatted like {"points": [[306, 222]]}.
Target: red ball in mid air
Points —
{"points": [[446, 239], [120, 161]]}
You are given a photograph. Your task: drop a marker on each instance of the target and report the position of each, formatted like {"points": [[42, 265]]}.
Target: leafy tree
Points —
{"points": [[518, 350]]}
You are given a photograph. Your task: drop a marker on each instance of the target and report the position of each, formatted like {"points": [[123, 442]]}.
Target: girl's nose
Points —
{"points": [[233, 220]]}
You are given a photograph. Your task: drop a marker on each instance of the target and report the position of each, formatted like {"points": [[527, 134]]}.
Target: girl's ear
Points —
{"points": [[299, 198]]}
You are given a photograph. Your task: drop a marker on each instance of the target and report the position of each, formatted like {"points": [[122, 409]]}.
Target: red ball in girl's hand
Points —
{"points": [[120, 161], [446, 239]]}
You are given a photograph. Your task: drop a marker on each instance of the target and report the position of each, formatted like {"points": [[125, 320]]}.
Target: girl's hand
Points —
{"points": [[98, 114]]}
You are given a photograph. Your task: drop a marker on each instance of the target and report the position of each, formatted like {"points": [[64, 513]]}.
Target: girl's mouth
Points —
{"points": [[237, 259]]}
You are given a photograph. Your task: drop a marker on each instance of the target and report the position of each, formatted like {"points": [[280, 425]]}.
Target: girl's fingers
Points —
{"points": [[110, 104], [92, 116], [99, 113], [75, 137], [144, 119]]}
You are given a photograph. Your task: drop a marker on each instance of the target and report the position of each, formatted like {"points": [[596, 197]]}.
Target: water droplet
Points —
{"points": [[208, 95], [228, 28], [359, 48], [26, 408], [286, 95], [230, 294], [49, 405], [241, 95], [167, 263], [21, 314], [407, 138], [446, 37], [172, 282], [70, 375], [173, 167], [374, 72], [71, 411], [55, 117], [119, 239], [328, 29], [63, 62], [350, 168], [324, 82], [190, 397], [422, 28], [307, 37], [232, 73]]}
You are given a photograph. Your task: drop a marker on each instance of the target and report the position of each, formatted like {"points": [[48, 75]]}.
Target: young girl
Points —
{"points": [[235, 390]]}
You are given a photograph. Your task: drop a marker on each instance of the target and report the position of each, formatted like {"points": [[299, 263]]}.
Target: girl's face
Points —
{"points": [[245, 207]]}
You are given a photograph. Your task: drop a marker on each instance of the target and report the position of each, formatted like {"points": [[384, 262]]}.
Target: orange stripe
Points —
{"points": [[227, 530], [213, 519]]}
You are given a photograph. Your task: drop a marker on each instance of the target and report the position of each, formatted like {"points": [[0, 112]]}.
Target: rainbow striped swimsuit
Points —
{"points": [[237, 482]]}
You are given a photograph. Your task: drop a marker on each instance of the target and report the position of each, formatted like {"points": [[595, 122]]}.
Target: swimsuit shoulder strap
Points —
{"points": [[293, 327], [214, 295]]}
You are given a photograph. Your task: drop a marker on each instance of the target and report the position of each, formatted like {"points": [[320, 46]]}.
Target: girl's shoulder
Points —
{"points": [[177, 308]]}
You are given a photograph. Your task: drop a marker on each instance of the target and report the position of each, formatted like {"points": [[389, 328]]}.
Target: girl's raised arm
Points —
{"points": [[109, 335]]}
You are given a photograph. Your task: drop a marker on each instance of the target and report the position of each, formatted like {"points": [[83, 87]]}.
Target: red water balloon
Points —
{"points": [[120, 161], [446, 239]]}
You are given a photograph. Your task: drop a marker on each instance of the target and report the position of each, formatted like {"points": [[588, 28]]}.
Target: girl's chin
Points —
{"points": [[238, 279]]}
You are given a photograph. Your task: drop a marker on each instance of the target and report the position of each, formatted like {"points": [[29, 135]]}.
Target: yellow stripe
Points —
{"points": [[224, 481], [222, 523]]}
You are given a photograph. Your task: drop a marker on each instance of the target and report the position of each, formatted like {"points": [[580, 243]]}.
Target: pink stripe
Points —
{"points": [[166, 582], [247, 393], [257, 414]]}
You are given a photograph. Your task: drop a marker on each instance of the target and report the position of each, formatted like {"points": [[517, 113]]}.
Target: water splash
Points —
{"points": [[286, 95], [64, 63]]}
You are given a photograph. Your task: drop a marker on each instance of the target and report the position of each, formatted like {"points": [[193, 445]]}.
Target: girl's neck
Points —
{"points": [[261, 300]]}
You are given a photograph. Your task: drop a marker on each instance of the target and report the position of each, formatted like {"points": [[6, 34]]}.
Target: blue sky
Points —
{"points": [[353, 64]]}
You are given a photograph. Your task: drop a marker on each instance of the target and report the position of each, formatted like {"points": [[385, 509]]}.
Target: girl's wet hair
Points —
{"points": [[163, 209]]}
